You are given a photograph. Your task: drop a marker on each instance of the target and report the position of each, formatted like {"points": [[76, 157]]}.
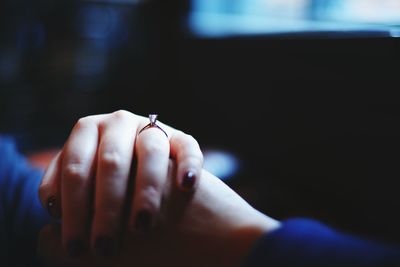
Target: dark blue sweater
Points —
{"points": [[308, 243], [21, 214], [299, 242]]}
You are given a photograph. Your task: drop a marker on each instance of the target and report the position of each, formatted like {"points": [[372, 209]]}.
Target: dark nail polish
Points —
{"points": [[75, 248], [189, 180], [105, 247], [51, 202], [144, 221]]}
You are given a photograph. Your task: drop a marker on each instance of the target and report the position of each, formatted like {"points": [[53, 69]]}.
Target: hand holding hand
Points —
{"points": [[109, 178], [213, 227]]}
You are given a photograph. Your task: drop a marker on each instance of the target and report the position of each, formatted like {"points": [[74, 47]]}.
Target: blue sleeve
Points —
{"points": [[21, 214], [306, 242]]}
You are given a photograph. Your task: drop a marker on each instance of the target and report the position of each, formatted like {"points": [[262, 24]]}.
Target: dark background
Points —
{"points": [[313, 118]]}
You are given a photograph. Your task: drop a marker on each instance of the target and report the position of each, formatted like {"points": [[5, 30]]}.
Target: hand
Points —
{"points": [[89, 183], [212, 227]]}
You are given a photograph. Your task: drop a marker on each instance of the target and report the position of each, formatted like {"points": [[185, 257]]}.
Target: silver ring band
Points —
{"points": [[153, 123]]}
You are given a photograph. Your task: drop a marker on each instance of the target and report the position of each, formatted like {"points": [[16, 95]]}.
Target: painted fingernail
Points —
{"points": [[75, 248], [144, 221], [50, 206], [189, 180], [105, 247]]}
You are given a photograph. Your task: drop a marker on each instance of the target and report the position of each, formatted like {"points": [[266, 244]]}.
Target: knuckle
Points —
{"points": [[151, 191], [111, 160], [186, 140], [196, 160], [197, 150], [121, 114], [150, 197], [179, 134], [75, 173], [84, 122], [191, 148], [191, 140], [192, 161]]}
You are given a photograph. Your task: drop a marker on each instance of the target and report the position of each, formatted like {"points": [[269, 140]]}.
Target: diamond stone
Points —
{"points": [[153, 119]]}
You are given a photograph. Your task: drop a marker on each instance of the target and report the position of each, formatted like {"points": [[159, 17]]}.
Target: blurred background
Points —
{"points": [[294, 102]]}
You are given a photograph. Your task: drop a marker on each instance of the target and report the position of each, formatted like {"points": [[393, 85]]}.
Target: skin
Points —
{"points": [[89, 182], [213, 226]]}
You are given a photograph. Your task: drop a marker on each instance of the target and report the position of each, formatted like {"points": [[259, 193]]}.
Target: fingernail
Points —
{"points": [[189, 180], [144, 221], [75, 248], [51, 202], [105, 247]]}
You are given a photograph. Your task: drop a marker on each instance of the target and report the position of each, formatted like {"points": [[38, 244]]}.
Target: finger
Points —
{"points": [[50, 251], [152, 151], [49, 247], [187, 153], [49, 190], [77, 179], [113, 169]]}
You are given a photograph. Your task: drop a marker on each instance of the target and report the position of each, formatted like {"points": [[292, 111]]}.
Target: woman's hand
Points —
{"points": [[109, 178], [213, 227]]}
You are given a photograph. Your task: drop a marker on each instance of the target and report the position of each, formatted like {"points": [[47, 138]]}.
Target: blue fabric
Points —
{"points": [[21, 214], [306, 242]]}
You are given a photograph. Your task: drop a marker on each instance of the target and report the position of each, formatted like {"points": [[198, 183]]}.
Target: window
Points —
{"points": [[230, 17]]}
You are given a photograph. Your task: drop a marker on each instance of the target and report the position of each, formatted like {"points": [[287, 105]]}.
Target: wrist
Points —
{"points": [[245, 236]]}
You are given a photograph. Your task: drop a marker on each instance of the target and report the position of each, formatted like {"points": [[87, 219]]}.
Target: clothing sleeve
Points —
{"points": [[306, 242], [21, 214]]}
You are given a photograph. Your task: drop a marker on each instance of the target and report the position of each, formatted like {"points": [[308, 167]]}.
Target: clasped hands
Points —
{"points": [[143, 200]]}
